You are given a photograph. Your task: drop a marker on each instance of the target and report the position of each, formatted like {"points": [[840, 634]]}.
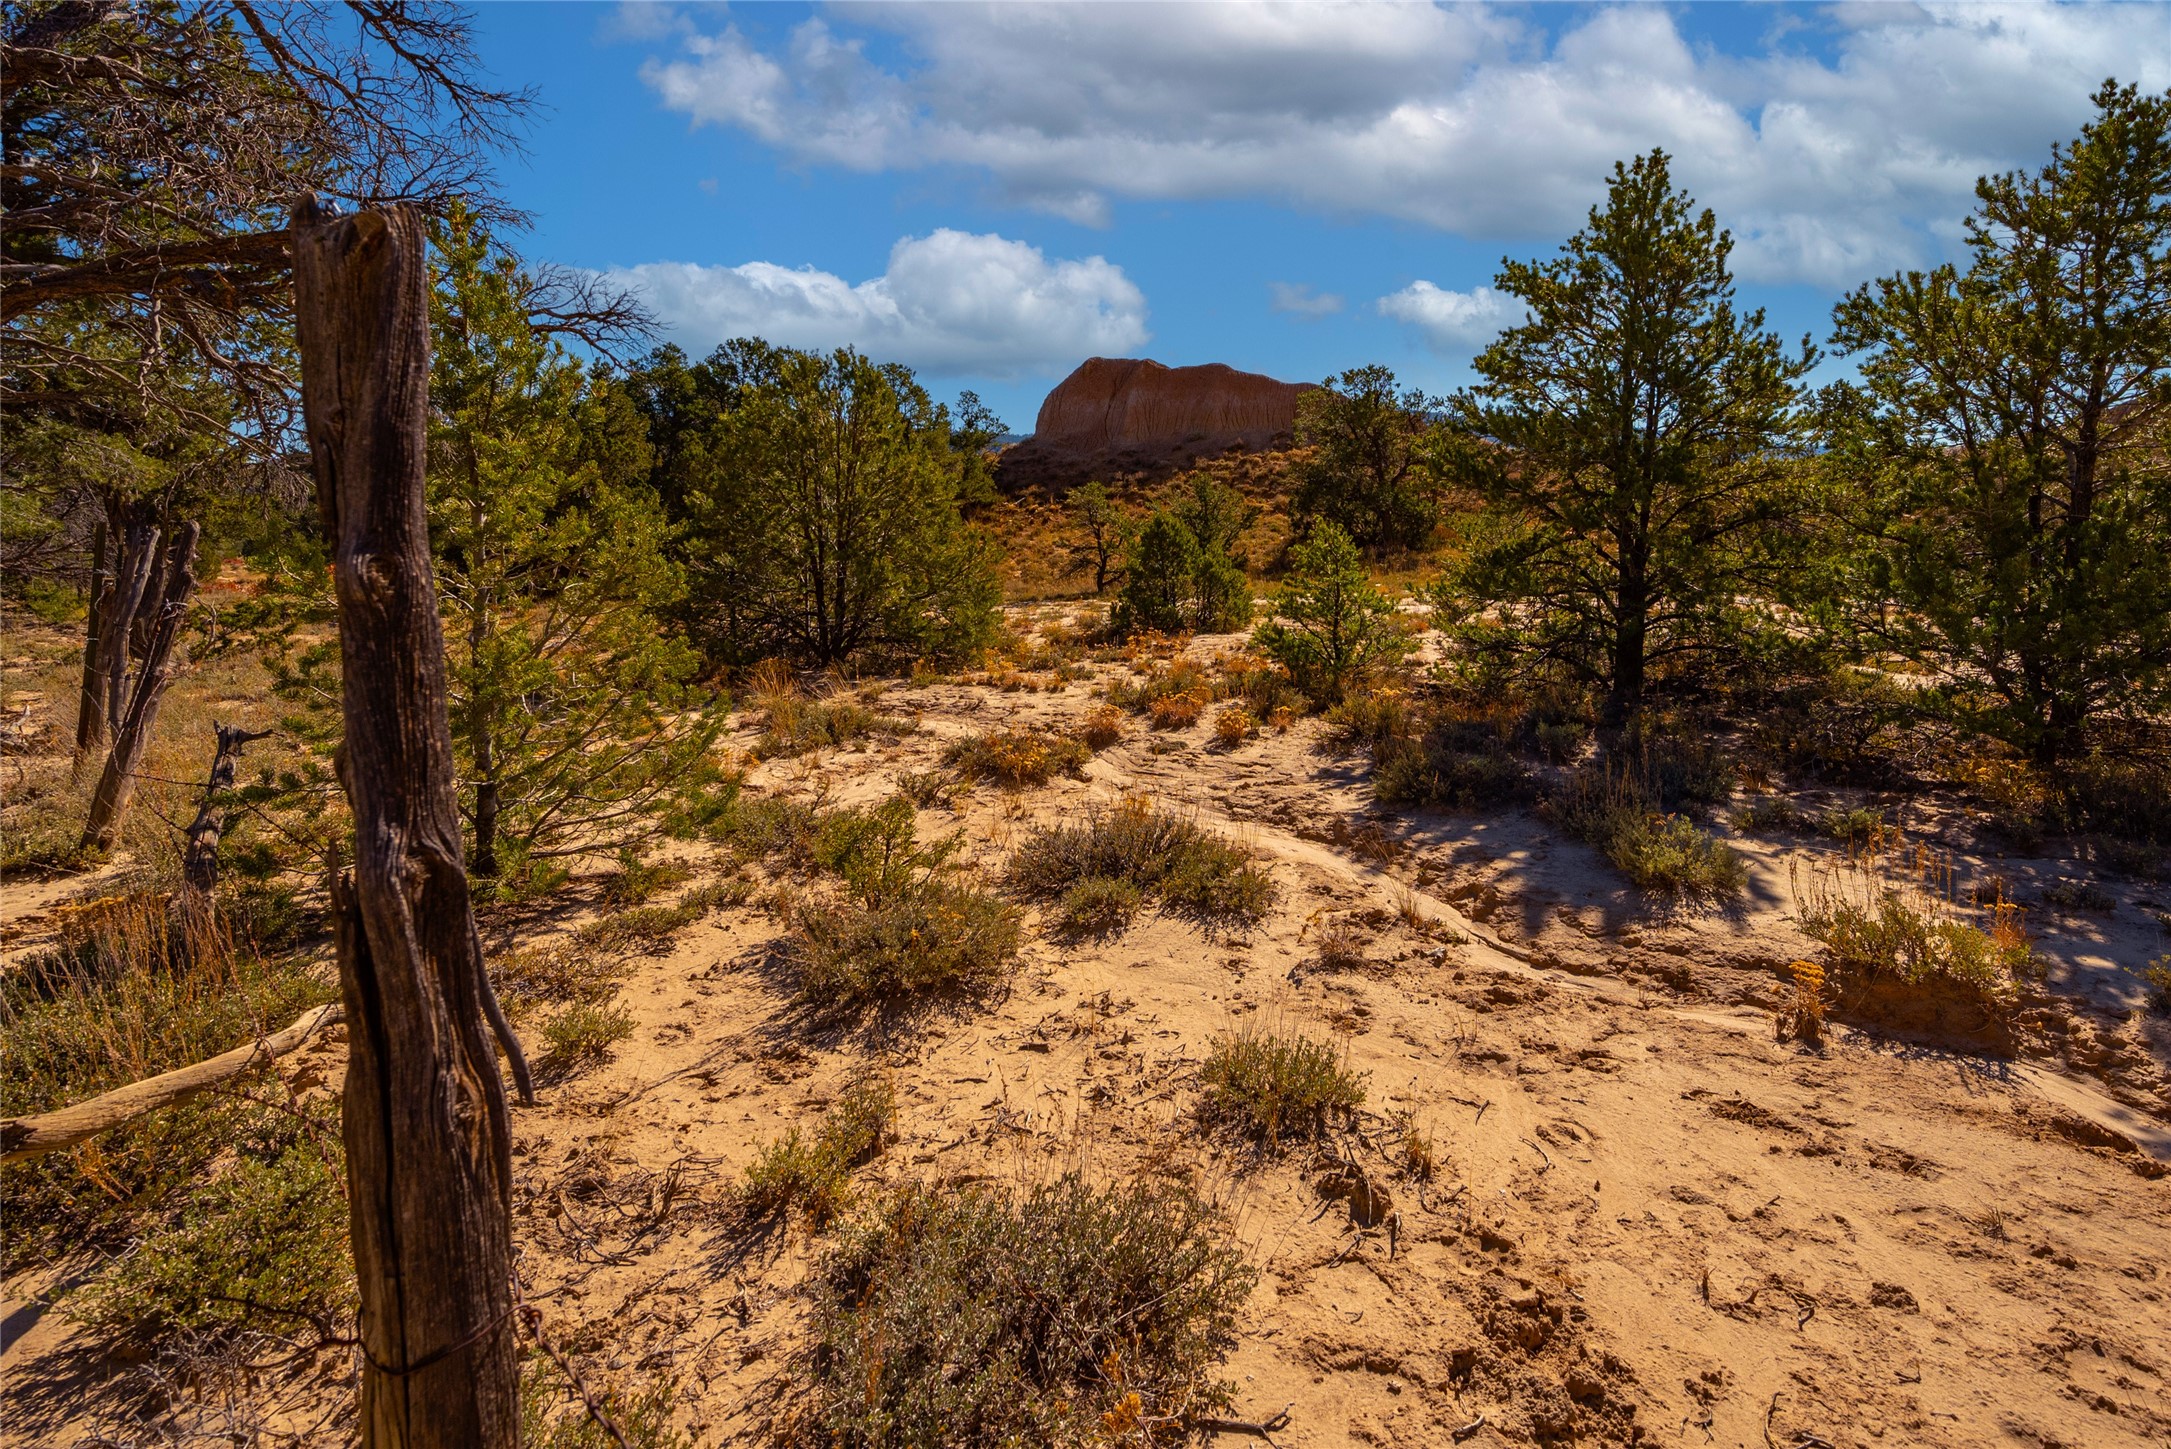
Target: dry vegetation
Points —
{"points": [[1171, 1083]]}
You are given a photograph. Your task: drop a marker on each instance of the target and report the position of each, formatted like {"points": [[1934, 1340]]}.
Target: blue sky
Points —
{"points": [[991, 193]]}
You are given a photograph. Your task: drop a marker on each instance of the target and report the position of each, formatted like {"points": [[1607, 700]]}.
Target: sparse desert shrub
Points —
{"points": [[2073, 894], [1262, 686], [925, 788], [1377, 720], [1458, 765], [1176, 711], [1103, 726], [1018, 758], [1890, 920], [937, 937], [1858, 826], [1282, 717], [2157, 974], [637, 881], [1676, 771], [795, 726], [1419, 1153], [582, 1036], [1802, 1014], [1765, 814], [1232, 726], [650, 928], [1161, 681], [1268, 1085], [262, 1245], [1168, 857], [1664, 853], [812, 1176], [1342, 945], [124, 997], [1059, 1315], [1098, 906]]}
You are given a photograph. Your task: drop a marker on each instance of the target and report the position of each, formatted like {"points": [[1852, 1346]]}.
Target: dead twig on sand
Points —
{"points": [[1263, 1429], [1467, 1430], [1539, 1150]]}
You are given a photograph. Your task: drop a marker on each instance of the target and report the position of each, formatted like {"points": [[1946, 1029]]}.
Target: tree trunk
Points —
{"points": [[200, 861], [90, 708], [429, 1167], [1624, 696], [117, 785], [132, 581]]}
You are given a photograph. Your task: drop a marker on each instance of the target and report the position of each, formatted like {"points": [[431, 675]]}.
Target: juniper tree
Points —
{"points": [[823, 513], [1107, 532], [1366, 471], [2004, 445], [1630, 439]]}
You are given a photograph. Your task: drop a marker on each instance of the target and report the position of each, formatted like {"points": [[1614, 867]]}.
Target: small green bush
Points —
{"points": [[1612, 809], [637, 881], [793, 726], [650, 928], [1098, 906], [1169, 857], [1018, 758], [974, 1318], [2157, 974], [1766, 814], [582, 1036], [1458, 765], [1670, 855], [1908, 940], [1851, 827], [812, 1176], [262, 1246], [1268, 1085]]}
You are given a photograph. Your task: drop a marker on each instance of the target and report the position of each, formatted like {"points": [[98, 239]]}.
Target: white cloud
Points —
{"points": [[1459, 117], [1299, 300], [1454, 324], [949, 303]]}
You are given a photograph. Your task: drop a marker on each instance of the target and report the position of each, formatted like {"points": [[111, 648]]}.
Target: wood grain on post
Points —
{"points": [[200, 857], [429, 1166]]}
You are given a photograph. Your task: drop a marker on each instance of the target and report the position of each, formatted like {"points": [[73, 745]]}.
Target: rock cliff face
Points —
{"points": [[1133, 415], [1122, 402]]}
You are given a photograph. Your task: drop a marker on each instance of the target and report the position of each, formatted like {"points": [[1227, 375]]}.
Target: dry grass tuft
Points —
{"points": [[1269, 1085], [1017, 758]]}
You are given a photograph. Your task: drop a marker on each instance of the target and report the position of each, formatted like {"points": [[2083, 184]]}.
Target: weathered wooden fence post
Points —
{"points": [[429, 1165]]}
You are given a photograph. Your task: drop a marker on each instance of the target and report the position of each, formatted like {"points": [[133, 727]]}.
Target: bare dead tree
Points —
{"points": [[132, 731], [429, 1165], [200, 857]]}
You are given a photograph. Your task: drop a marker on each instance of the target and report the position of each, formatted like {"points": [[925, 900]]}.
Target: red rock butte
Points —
{"points": [[1114, 403]]}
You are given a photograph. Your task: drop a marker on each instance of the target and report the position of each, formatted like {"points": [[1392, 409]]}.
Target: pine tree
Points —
{"points": [[1330, 627], [2004, 444], [1630, 439], [571, 710]]}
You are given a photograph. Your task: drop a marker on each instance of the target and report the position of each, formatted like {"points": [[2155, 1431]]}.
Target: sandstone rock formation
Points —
{"points": [[1130, 415]]}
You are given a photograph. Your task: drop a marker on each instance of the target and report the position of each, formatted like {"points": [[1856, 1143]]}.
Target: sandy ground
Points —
{"points": [[1653, 1222]]}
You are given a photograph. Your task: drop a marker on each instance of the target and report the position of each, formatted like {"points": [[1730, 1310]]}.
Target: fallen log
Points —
{"points": [[22, 1137]]}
